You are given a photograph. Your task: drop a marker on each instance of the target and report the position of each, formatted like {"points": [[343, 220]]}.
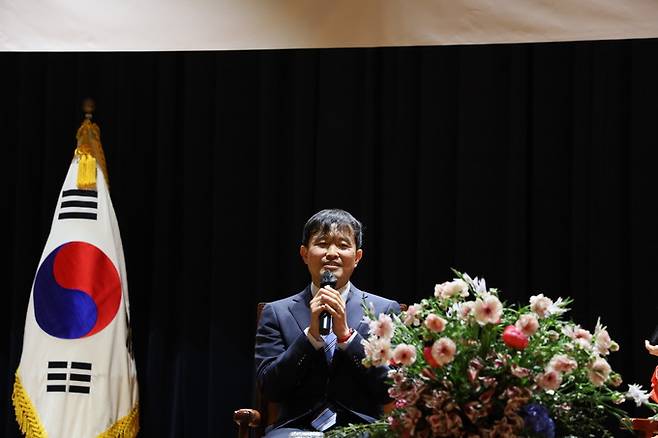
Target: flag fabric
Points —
{"points": [[77, 375]]}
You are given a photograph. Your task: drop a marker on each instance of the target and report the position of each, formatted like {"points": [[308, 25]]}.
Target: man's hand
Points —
{"points": [[329, 300], [652, 349]]}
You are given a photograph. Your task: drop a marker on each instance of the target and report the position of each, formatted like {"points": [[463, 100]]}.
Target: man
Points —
{"points": [[319, 381]]}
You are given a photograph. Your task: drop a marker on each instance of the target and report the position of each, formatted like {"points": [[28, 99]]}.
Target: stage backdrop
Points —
{"points": [[531, 165], [75, 25]]}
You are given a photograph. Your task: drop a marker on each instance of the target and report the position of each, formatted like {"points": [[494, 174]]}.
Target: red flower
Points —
{"points": [[427, 352], [514, 338], [654, 385]]}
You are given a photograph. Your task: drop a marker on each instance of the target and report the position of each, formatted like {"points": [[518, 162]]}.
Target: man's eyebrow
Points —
{"points": [[340, 236]]}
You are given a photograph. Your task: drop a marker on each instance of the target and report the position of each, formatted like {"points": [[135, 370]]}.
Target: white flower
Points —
{"points": [[602, 342], [637, 394], [478, 285], [557, 308]]}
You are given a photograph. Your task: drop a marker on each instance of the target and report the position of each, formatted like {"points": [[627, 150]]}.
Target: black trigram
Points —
{"points": [[62, 378], [79, 204]]}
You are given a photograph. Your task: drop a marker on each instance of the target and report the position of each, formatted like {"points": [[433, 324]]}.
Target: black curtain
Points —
{"points": [[530, 165]]}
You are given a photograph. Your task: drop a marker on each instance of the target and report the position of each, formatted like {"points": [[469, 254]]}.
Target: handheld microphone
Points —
{"points": [[328, 279]]}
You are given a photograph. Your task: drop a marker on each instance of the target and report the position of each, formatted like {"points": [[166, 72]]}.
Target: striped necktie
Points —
{"points": [[329, 346]]}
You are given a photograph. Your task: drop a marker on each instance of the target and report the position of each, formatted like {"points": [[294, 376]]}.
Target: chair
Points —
{"points": [[267, 412], [645, 427]]}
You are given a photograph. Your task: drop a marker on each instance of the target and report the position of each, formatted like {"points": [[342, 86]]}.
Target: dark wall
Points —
{"points": [[531, 165]]}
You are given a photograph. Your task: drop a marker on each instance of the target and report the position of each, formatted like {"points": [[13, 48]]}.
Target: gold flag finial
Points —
{"points": [[89, 150]]}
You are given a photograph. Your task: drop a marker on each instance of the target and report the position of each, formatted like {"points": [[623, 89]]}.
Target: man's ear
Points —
{"points": [[303, 252], [357, 256]]}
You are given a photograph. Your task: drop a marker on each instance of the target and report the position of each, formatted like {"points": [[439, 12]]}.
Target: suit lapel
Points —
{"points": [[353, 307], [300, 309]]}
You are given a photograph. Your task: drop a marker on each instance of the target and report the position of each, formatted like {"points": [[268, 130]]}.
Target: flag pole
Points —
{"points": [[77, 376]]}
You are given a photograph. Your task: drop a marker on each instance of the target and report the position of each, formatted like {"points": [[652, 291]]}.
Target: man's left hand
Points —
{"points": [[334, 304]]}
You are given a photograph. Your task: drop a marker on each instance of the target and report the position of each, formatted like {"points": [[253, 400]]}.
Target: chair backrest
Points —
{"points": [[269, 411]]}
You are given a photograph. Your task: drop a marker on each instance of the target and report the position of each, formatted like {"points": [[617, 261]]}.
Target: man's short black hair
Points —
{"points": [[323, 220]]}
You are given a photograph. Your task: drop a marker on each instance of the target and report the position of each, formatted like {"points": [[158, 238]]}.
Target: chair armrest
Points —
{"points": [[648, 427], [245, 419]]}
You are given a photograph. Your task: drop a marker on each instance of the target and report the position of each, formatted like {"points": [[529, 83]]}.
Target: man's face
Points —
{"points": [[333, 251]]}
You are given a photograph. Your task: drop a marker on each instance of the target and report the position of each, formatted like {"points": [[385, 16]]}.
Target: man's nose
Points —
{"points": [[332, 252]]}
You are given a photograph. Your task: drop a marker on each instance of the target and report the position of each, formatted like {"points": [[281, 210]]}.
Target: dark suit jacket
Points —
{"points": [[291, 372]]}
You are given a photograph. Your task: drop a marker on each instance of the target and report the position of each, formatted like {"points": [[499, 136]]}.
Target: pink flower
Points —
{"points": [[382, 327], [464, 310], [411, 315], [599, 371], [551, 379], [602, 342], [404, 354], [474, 410], [540, 305], [519, 371], [449, 289], [583, 338], [443, 351], [397, 375], [378, 351], [410, 417], [562, 363], [437, 422], [435, 323], [445, 424], [488, 310], [528, 324]]}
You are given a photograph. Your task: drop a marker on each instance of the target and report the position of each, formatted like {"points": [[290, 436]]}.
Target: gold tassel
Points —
{"points": [[126, 427], [26, 415], [86, 171], [89, 152]]}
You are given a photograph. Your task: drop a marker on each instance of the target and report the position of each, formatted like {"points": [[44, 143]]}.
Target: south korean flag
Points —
{"points": [[77, 375]]}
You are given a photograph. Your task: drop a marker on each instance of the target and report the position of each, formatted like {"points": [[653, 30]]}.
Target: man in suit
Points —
{"points": [[319, 381]]}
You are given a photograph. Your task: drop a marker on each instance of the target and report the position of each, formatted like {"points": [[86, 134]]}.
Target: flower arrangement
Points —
{"points": [[463, 364]]}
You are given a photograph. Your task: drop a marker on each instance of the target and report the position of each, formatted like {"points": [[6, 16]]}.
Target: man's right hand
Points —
{"points": [[317, 307]]}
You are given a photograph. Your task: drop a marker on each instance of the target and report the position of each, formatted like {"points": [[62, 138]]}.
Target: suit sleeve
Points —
{"points": [[374, 377], [280, 367]]}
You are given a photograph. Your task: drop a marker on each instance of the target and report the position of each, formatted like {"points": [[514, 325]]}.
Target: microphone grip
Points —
{"points": [[325, 323]]}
